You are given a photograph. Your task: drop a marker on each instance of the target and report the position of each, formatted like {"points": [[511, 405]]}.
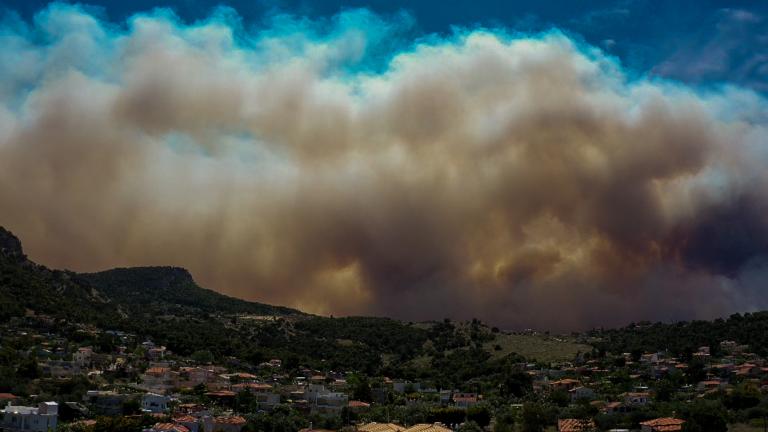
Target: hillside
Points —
{"points": [[98, 297], [170, 290], [26, 287], [166, 305], [537, 347], [684, 338]]}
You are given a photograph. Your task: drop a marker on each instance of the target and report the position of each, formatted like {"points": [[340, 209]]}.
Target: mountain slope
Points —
{"points": [[170, 290], [26, 286], [105, 298]]}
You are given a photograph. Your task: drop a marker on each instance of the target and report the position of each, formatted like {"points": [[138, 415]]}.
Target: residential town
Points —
{"points": [[137, 384]]}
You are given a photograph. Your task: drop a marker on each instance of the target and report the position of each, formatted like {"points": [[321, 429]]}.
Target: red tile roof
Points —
{"points": [[235, 420], [170, 427], [664, 424], [221, 393], [575, 425]]}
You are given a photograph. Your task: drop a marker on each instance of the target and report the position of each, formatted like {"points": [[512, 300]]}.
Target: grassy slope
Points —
{"points": [[536, 347]]}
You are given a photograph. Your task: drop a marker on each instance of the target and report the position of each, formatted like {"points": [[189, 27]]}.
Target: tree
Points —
{"points": [[560, 398], [534, 417], [470, 426], [505, 421], [743, 396], [696, 371], [202, 357], [29, 369], [448, 415], [480, 415], [517, 384], [705, 416], [361, 388], [131, 406], [665, 389]]}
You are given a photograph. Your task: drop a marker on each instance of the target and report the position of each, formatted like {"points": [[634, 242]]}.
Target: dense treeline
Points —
{"points": [[683, 338]]}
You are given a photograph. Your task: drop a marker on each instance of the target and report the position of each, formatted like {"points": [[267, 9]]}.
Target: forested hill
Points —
{"points": [[683, 338], [107, 298], [170, 289]]}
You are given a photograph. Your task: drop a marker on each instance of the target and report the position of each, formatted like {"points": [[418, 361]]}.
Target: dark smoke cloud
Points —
{"points": [[523, 180]]}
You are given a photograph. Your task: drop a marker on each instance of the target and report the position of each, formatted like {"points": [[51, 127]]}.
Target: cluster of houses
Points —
{"points": [[582, 382], [163, 384], [41, 418]]}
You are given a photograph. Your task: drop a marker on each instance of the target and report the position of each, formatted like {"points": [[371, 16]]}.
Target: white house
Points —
{"points": [[154, 403], [636, 398], [403, 386], [324, 401], [42, 418], [83, 357], [581, 393]]}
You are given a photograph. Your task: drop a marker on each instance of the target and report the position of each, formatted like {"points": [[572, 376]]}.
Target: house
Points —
{"points": [[664, 424], [193, 376], [83, 357], [160, 379], [60, 369], [192, 409], [651, 357], [223, 424], [329, 403], [156, 353], [42, 418], [267, 400], [405, 386], [167, 427], [324, 401], [154, 403], [358, 406], [105, 402], [252, 387], [564, 384], [577, 393], [636, 398], [445, 396], [380, 427], [428, 427], [7, 398], [615, 407], [190, 422], [710, 385], [575, 425], [465, 400]]}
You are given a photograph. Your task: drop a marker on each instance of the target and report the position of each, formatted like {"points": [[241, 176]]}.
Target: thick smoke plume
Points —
{"points": [[521, 179]]}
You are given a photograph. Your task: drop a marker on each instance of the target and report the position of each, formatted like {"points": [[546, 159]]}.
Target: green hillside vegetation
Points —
{"points": [[684, 338], [170, 290], [26, 287], [541, 348]]}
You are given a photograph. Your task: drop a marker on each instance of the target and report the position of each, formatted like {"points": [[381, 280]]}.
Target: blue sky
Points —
{"points": [[698, 42]]}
